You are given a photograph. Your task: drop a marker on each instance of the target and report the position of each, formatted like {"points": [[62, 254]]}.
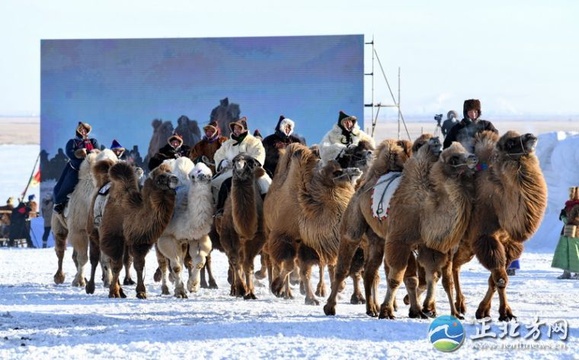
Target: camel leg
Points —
{"points": [[356, 276], [59, 249], [162, 272], [199, 251], [94, 257], [321, 287], [211, 284], [349, 242], [115, 289], [306, 276], [127, 263], [79, 242], [501, 281], [173, 252], [411, 282], [462, 256], [261, 273], [396, 260], [139, 252], [374, 259], [448, 285], [106, 269], [432, 262]]}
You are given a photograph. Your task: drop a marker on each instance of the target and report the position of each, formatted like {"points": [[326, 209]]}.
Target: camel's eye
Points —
{"points": [[454, 160]]}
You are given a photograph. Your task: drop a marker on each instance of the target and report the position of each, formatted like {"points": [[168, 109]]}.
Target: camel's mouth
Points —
{"points": [[351, 174], [172, 182]]}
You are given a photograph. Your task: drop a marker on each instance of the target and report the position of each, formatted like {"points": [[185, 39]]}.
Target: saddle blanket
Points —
{"points": [[382, 193]]}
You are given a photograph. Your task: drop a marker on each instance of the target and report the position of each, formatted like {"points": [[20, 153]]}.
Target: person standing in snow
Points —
{"points": [[451, 120]]}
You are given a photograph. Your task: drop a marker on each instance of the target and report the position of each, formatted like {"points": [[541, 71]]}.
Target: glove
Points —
{"points": [[224, 164], [80, 153]]}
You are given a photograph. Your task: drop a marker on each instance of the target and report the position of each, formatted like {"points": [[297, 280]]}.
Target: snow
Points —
{"points": [[41, 320]]}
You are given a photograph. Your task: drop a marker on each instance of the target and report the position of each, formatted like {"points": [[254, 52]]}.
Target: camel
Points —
{"points": [[189, 130], [440, 197], [303, 207], [241, 226], [361, 227], [511, 198], [71, 223], [189, 228], [135, 218], [100, 173]]}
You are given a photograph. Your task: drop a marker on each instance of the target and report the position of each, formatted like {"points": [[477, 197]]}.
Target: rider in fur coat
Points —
{"points": [[346, 132]]}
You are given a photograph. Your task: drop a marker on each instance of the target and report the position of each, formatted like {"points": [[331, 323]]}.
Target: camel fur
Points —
{"points": [[70, 225], [511, 198], [360, 228], [241, 226], [439, 196], [303, 213], [100, 172], [189, 227], [135, 218]]}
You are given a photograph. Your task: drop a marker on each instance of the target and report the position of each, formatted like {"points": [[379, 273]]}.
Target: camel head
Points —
{"points": [[163, 178], [514, 145], [201, 174], [246, 167], [334, 174], [456, 161], [359, 156], [432, 149]]}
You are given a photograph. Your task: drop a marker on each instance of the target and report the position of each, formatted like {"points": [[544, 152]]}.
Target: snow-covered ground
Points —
{"points": [[41, 320]]}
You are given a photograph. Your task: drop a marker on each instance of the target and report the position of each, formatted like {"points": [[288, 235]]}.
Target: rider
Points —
{"points": [[346, 132]]}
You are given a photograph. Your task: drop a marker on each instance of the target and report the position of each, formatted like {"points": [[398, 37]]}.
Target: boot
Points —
{"points": [[565, 275]]}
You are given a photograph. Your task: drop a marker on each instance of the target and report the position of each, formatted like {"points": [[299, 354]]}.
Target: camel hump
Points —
{"points": [[122, 172]]}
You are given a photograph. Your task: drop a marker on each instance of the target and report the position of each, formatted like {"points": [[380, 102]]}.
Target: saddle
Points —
{"points": [[382, 193]]}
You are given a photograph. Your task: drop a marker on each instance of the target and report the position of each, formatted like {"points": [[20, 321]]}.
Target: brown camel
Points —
{"points": [[439, 196], [100, 172], [71, 224], [189, 227], [241, 226], [361, 227], [135, 218], [511, 198], [302, 215]]}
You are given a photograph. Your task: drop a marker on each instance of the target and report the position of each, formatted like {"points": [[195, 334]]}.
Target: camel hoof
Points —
{"points": [[312, 302], [429, 313], [330, 310], [89, 288], [141, 295], [260, 275], [128, 281], [406, 300], [158, 275], [250, 296], [416, 314], [357, 299], [59, 278], [321, 293], [213, 285]]}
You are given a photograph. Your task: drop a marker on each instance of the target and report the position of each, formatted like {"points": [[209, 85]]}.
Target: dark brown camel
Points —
{"points": [[136, 218], [241, 227], [511, 197]]}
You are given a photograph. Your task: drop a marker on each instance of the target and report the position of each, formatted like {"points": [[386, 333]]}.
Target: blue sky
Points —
{"points": [[518, 57]]}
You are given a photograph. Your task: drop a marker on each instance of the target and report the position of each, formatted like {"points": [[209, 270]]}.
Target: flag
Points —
{"points": [[35, 181]]}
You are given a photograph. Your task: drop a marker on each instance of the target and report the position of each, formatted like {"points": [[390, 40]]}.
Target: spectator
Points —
{"points": [[46, 208]]}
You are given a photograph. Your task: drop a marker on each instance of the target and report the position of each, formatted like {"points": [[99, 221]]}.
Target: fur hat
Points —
{"points": [[241, 122], [471, 104], [116, 146], [452, 114], [283, 121], [343, 116], [177, 137], [257, 134], [31, 197], [83, 125], [213, 126]]}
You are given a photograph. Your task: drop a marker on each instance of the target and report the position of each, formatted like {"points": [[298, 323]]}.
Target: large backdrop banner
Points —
{"points": [[138, 91]]}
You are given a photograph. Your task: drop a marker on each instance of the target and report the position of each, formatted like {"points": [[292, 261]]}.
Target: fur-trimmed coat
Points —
{"points": [[250, 145], [208, 149], [334, 142]]}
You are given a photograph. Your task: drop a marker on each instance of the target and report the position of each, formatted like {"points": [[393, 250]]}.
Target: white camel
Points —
{"points": [[189, 228]]}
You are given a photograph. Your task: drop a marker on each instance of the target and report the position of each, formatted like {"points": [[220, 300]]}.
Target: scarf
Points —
{"points": [[239, 138], [212, 138]]}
